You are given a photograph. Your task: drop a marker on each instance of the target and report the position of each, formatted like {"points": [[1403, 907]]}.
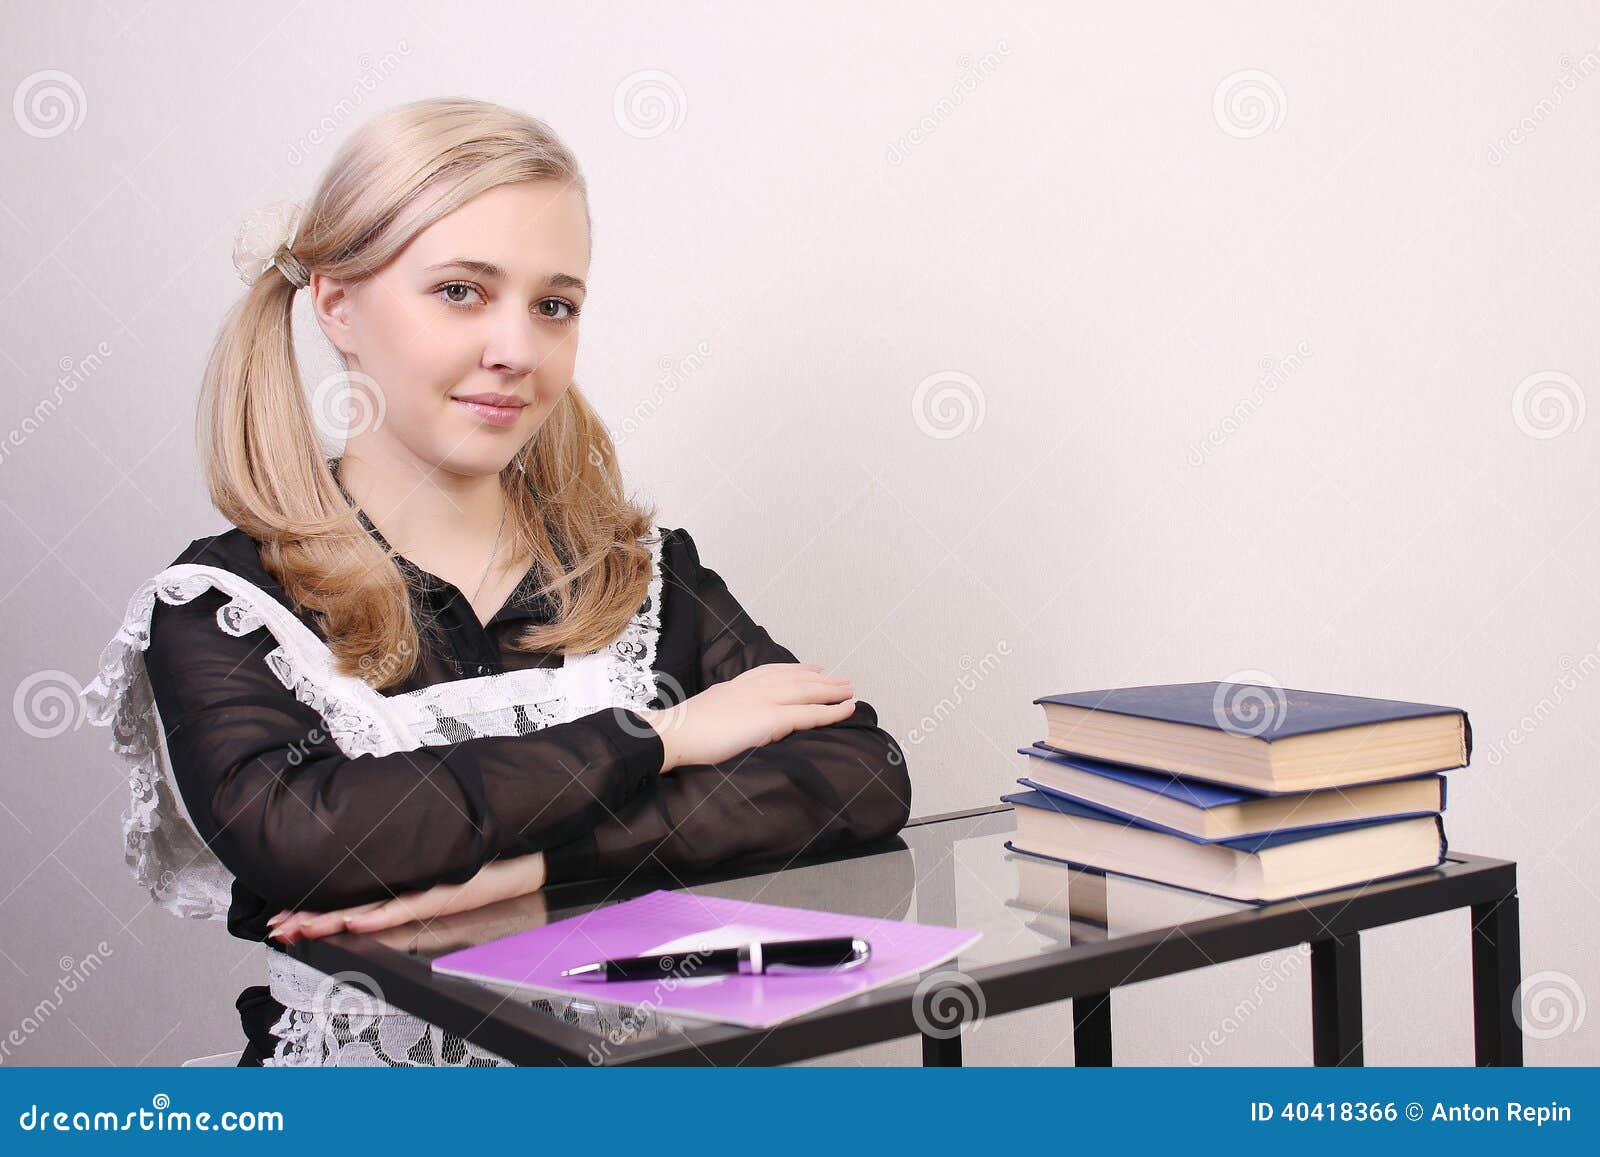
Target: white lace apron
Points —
{"points": [[328, 1021]]}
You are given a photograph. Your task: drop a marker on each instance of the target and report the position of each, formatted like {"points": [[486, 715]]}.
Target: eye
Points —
{"points": [[560, 319], [455, 285]]}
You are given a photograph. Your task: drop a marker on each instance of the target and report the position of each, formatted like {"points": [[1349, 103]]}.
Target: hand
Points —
{"points": [[464, 929], [495, 881], [754, 708]]}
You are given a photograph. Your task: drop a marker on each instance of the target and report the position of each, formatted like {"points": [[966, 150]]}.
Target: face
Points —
{"points": [[470, 334]]}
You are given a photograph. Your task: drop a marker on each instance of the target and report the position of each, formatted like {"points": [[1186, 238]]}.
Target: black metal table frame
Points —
{"points": [[1331, 923]]}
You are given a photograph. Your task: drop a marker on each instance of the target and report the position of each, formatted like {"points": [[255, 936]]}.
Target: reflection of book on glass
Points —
{"points": [[1254, 868], [1264, 738], [1113, 905], [1211, 812], [1059, 928], [676, 924]]}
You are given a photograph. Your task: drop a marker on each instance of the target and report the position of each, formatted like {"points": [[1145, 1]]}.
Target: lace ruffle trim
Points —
{"points": [[634, 652], [334, 1020], [182, 874], [167, 857]]}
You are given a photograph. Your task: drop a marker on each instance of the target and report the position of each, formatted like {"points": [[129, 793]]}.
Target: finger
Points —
{"points": [[327, 923], [784, 670], [815, 676], [831, 692], [324, 924], [803, 716], [815, 691], [379, 919], [321, 924], [285, 931], [822, 714]]}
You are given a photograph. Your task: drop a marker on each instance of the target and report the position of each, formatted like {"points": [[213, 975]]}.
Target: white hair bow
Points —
{"points": [[264, 240]]}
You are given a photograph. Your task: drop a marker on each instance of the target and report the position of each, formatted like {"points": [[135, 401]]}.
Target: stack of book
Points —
{"points": [[1255, 793]]}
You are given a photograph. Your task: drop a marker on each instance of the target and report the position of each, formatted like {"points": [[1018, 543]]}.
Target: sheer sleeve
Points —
{"points": [[812, 791], [305, 826]]}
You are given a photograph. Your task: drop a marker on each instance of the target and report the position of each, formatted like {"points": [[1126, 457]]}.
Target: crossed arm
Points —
{"points": [[367, 842]]}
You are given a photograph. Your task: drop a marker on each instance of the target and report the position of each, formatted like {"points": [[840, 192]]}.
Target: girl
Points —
{"points": [[456, 663]]}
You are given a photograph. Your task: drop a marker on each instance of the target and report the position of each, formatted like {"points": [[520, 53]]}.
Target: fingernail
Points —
{"points": [[278, 919]]}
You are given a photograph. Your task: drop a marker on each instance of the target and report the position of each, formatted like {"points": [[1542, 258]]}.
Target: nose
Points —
{"points": [[513, 343]]}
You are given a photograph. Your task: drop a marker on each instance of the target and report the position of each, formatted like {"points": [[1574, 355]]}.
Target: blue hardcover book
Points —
{"points": [[1265, 739], [1214, 813], [1257, 869]]}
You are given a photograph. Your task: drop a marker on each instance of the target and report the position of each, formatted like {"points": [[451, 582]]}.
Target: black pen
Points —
{"points": [[757, 958]]}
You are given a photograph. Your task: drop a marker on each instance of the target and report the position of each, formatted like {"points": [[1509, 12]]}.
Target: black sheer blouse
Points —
{"points": [[303, 826]]}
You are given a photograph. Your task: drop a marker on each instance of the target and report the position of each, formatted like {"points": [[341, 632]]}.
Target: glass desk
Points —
{"points": [[1050, 932]]}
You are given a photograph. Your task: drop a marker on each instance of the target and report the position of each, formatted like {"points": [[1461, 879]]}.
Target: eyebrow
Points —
{"points": [[490, 270]]}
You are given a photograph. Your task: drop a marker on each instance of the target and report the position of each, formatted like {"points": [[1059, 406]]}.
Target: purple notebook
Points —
{"points": [[674, 922]]}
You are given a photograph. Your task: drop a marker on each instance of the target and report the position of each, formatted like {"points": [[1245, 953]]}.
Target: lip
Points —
{"points": [[495, 409]]}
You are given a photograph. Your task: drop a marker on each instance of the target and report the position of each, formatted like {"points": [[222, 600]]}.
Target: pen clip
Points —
{"points": [[860, 953]]}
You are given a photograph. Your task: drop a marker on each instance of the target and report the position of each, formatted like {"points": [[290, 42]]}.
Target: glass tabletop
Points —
{"points": [[953, 871]]}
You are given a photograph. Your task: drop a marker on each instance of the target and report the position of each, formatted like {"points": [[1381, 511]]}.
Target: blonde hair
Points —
{"points": [[267, 472]]}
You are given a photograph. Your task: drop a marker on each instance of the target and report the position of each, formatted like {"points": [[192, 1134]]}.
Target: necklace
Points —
{"points": [[494, 551]]}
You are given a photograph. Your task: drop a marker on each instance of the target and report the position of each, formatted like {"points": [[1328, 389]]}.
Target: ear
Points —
{"points": [[332, 305]]}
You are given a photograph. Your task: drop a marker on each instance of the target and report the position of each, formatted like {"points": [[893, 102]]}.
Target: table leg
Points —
{"points": [[1336, 1036], [1091, 1030], [1496, 975], [936, 904], [941, 1051]]}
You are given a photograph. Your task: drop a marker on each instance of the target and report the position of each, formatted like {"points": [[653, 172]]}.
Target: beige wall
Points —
{"points": [[987, 353]]}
